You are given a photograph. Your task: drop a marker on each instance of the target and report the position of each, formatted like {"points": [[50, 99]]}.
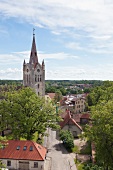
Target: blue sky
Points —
{"points": [[74, 37]]}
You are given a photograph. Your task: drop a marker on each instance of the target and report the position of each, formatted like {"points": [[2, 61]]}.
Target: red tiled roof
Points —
{"points": [[77, 117], [51, 95], [11, 152], [85, 116], [69, 120]]}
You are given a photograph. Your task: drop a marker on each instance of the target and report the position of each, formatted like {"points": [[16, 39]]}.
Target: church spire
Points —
{"points": [[33, 55]]}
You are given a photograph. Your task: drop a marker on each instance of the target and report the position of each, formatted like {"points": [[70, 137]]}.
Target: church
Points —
{"points": [[34, 72]]}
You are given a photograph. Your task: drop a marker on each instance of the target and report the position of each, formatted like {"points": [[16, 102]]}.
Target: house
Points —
{"points": [[74, 103], [82, 119], [69, 123], [79, 104], [23, 155], [49, 97]]}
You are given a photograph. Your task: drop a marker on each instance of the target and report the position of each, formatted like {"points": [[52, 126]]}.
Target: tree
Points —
{"points": [[100, 132], [92, 167], [3, 143], [100, 101], [58, 96], [67, 138], [27, 113]]}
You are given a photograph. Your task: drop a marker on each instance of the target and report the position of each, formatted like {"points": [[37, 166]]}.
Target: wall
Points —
{"points": [[15, 164], [72, 128]]}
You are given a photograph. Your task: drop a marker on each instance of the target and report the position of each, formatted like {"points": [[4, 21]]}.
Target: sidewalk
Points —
{"points": [[48, 162]]}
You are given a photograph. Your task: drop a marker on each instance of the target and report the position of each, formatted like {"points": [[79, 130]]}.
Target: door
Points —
{"points": [[23, 165]]}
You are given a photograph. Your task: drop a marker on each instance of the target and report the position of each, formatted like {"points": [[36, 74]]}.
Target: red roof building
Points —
{"points": [[23, 155], [69, 123]]}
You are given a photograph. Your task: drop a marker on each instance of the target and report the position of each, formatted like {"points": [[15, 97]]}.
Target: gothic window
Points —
{"points": [[35, 53], [27, 78], [38, 86], [35, 78], [27, 70], [38, 70], [31, 53], [40, 78]]}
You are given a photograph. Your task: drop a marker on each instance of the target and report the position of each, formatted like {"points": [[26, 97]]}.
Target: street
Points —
{"points": [[59, 158]]}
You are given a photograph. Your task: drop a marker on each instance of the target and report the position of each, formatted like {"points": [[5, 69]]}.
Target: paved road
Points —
{"points": [[57, 157]]}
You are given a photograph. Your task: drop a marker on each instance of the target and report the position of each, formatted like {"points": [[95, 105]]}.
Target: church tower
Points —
{"points": [[34, 72]]}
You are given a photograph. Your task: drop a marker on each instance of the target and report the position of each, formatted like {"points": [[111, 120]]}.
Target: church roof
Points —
{"points": [[33, 55]]}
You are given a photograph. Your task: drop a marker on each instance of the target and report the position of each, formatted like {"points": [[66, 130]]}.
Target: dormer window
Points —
{"points": [[39, 147], [18, 148], [25, 148], [31, 148]]}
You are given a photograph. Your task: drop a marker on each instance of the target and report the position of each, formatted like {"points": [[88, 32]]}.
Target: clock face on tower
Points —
{"points": [[38, 70]]}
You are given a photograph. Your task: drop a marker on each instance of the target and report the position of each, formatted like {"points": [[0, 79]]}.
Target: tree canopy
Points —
{"points": [[101, 127], [26, 113]]}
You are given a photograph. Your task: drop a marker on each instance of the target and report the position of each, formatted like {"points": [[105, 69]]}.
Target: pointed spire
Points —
{"points": [[43, 62], [33, 55], [24, 62]]}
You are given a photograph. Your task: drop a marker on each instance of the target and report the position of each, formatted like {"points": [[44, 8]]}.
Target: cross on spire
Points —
{"points": [[33, 31]]}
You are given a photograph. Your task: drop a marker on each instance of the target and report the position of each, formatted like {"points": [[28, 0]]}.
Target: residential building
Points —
{"points": [[23, 155], [79, 104], [69, 123]]}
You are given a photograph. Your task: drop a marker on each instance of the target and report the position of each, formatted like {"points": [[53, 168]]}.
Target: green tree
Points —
{"points": [[27, 113], [67, 138], [100, 132], [58, 96]]}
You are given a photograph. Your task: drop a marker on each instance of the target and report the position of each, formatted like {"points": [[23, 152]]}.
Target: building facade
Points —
{"points": [[23, 155], [34, 72]]}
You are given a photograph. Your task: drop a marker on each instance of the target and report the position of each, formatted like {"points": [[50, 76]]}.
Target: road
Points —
{"points": [[59, 158]]}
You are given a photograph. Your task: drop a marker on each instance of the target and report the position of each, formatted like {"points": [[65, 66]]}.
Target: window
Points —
{"points": [[31, 148], [8, 163], [18, 148], [38, 86], [25, 147], [40, 78], [35, 78], [38, 70], [39, 147], [35, 164]]}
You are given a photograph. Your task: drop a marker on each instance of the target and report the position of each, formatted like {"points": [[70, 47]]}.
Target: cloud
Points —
{"points": [[88, 21], [81, 73], [90, 16], [11, 74]]}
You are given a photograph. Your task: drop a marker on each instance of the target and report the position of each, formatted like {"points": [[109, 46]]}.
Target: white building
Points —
{"points": [[23, 155]]}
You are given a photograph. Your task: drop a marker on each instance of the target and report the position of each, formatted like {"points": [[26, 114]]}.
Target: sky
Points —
{"points": [[74, 37]]}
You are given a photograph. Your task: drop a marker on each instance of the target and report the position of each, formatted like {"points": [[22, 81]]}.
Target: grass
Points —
{"points": [[75, 149], [79, 165]]}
